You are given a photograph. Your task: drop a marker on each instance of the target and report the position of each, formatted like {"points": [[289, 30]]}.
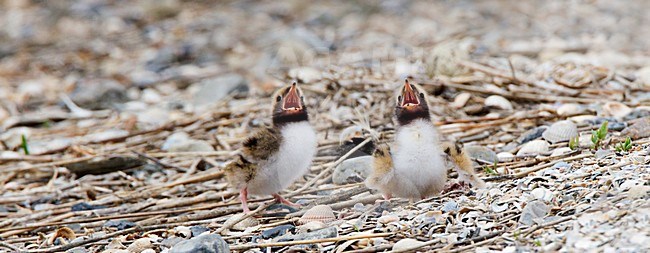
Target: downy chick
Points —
{"points": [[415, 168], [464, 165], [274, 157]]}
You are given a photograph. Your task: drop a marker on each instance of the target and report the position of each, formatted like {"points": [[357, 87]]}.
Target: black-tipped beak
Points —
{"points": [[409, 95], [292, 100]]}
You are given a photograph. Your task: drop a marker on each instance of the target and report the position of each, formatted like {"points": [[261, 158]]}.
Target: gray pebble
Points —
{"points": [[207, 243], [329, 232], [534, 211], [352, 170]]}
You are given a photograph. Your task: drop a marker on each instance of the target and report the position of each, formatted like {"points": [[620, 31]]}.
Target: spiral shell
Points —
{"points": [[321, 213], [561, 131]]}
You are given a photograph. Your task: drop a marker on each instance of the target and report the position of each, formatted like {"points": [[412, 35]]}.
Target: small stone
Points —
{"points": [[181, 142], [119, 224], [534, 210], [584, 141], [450, 206], [638, 191], [406, 243], [151, 96], [561, 151], [559, 165], [139, 245], [570, 110], [505, 157], [277, 231], [77, 250], [329, 232], [481, 153], [461, 99], [498, 102], [83, 206], [198, 230], [531, 134], [98, 94], [639, 128], [535, 147], [352, 170], [542, 194], [171, 241], [602, 153], [311, 226], [206, 243], [385, 219]]}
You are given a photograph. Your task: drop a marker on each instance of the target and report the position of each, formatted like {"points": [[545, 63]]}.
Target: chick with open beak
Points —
{"points": [[274, 157], [414, 167]]}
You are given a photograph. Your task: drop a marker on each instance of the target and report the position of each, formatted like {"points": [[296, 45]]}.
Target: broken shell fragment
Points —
{"points": [[617, 110]]}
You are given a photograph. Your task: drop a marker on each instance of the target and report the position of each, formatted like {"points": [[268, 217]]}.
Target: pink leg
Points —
{"points": [[243, 196], [282, 200], [388, 196]]}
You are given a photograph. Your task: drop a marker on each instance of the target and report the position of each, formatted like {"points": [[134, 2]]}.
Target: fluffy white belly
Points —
{"points": [[418, 159], [292, 161]]}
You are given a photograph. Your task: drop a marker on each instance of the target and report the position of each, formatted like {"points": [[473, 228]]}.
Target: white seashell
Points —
{"points": [[140, 245], [616, 109], [561, 131], [560, 151], [498, 102], [534, 148], [505, 157], [321, 213], [461, 100], [570, 109]]}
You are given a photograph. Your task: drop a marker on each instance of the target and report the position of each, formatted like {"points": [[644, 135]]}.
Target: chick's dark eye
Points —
{"points": [[422, 95], [399, 98], [278, 98]]}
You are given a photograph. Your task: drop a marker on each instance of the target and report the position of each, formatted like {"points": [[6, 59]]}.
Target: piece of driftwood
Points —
{"points": [[105, 164]]}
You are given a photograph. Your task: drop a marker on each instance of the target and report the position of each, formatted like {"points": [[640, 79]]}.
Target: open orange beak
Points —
{"points": [[292, 100], [409, 95]]}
